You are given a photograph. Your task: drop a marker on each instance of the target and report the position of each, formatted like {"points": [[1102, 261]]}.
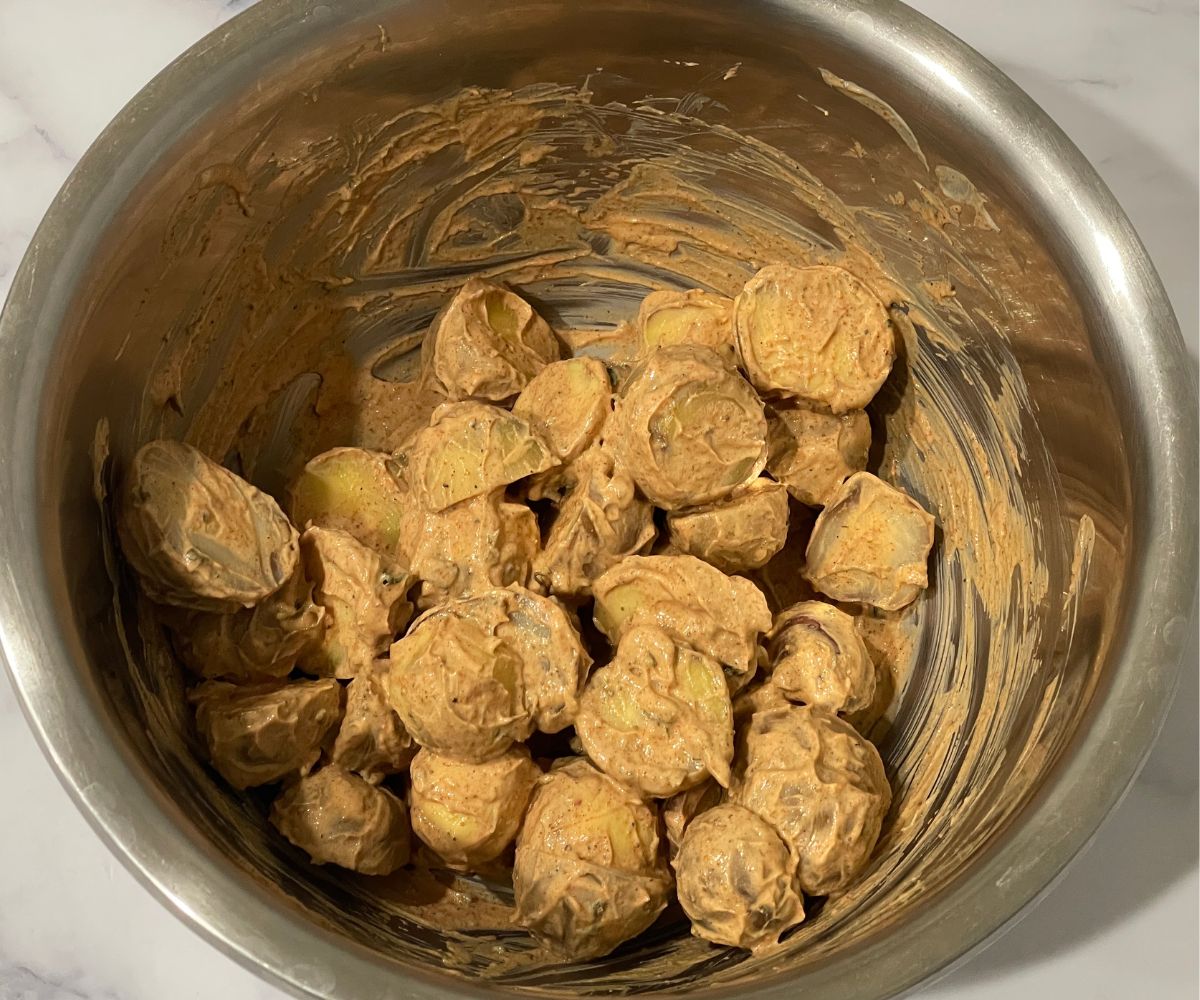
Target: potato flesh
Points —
{"points": [[355, 491], [470, 449], [817, 334], [870, 545]]}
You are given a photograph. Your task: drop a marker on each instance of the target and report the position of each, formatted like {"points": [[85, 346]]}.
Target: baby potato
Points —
{"points": [[253, 643], [817, 334], [198, 536], [683, 807], [475, 545], [695, 316], [259, 733], [718, 615], [601, 521], [364, 605], [338, 818], [356, 491], [458, 688], [488, 343], [554, 663], [371, 741], [735, 880], [740, 533], [470, 449], [812, 453], [566, 404], [871, 545], [689, 428], [658, 717], [820, 785], [589, 873], [818, 657], [469, 813]]}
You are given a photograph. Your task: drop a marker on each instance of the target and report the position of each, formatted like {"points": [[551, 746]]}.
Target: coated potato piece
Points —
{"points": [[692, 317], [740, 533], [356, 491], [871, 544], [259, 733], [821, 786], [658, 717], [554, 664], [818, 657], [340, 819], [470, 449], [475, 545], [688, 427], [481, 672], [254, 643], [566, 404], [457, 686], [735, 880], [198, 536], [683, 807], [721, 616], [371, 741], [812, 453], [601, 521], [364, 605], [588, 872], [488, 343], [469, 813], [814, 333]]}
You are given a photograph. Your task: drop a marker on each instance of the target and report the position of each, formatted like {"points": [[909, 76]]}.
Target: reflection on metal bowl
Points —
{"points": [[274, 221]]}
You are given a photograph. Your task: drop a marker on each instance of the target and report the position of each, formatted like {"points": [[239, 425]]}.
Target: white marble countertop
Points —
{"points": [[1119, 75]]}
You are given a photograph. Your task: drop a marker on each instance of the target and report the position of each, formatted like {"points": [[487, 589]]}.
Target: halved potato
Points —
{"points": [[814, 333], [470, 449], [688, 427], [871, 545], [488, 343], [357, 491]]}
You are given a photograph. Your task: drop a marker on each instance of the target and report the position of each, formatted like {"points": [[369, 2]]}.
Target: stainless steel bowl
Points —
{"points": [[1059, 373]]}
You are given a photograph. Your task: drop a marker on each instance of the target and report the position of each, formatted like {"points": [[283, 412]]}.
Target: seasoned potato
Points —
{"points": [[469, 813], [356, 491], [372, 741], [475, 545], [197, 535], [588, 874], [688, 428], [459, 689], [566, 404], [718, 615], [817, 334], [812, 453], [365, 606], [740, 533], [820, 785], [488, 343], [470, 449], [554, 663], [658, 717], [692, 317], [871, 544], [253, 643], [259, 733], [736, 880], [340, 819], [683, 807], [818, 657], [601, 521]]}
